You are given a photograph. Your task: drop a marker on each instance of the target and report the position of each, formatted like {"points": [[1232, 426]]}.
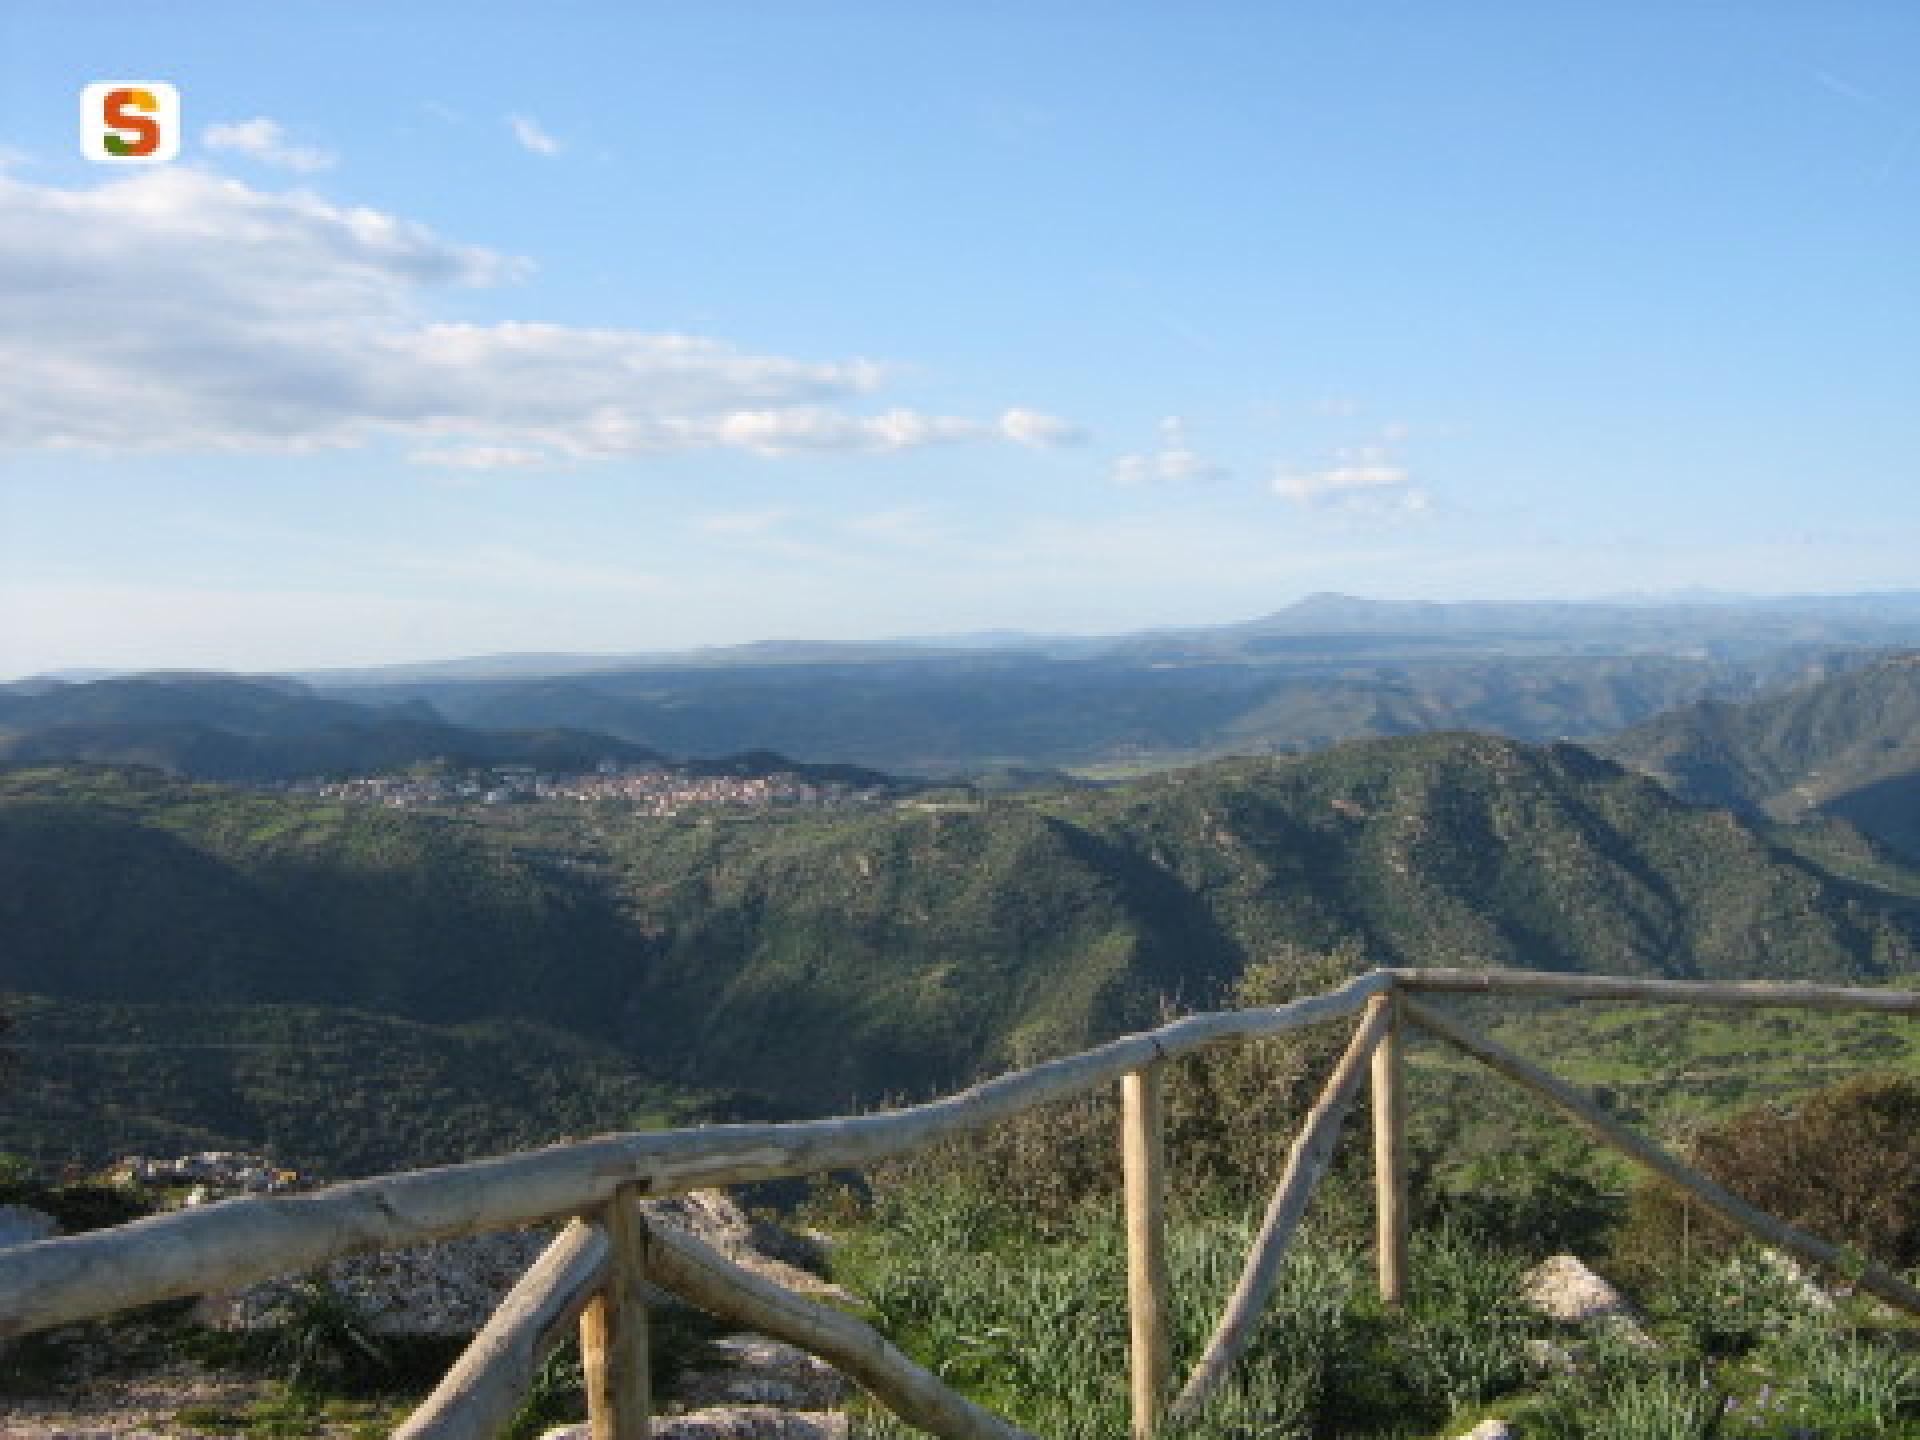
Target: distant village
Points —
{"points": [[642, 790]]}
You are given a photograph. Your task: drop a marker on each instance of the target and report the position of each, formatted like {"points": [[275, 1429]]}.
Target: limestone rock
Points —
{"points": [[451, 1287], [1491, 1430], [714, 1218], [735, 1422], [752, 1370], [1563, 1288], [447, 1288], [1548, 1358]]}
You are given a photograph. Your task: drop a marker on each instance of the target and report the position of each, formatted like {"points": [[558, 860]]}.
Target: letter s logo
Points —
{"points": [[124, 112], [130, 122]]}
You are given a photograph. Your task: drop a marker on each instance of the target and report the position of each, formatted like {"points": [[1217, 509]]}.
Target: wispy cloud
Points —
{"points": [[532, 136], [1175, 462], [195, 313], [1042, 431], [480, 457], [1362, 479], [262, 139]]}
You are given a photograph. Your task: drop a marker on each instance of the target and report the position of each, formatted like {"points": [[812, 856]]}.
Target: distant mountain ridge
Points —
{"points": [[254, 729], [1329, 668], [1668, 624]]}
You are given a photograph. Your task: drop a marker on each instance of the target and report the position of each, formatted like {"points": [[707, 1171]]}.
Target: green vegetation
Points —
{"points": [[1846, 747], [820, 960], [325, 1091], [1015, 1293], [253, 728]]}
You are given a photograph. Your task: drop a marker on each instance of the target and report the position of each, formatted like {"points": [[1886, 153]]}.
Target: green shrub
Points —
{"points": [[1538, 1198], [1852, 1384], [1725, 1304], [1660, 1405], [323, 1338], [1231, 1114], [1843, 1163], [1465, 1328], [558, 1395]]}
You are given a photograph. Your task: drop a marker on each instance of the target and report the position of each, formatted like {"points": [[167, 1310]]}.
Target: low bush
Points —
{"points": [[1723, 1305], [1843, 1163], [1231, 1114]]}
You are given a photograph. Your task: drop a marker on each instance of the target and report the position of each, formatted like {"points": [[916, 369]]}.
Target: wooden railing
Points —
{"points": [[592, 1275]]}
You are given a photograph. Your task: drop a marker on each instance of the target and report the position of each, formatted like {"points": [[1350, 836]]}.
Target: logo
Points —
{"points": [[133, 122]]}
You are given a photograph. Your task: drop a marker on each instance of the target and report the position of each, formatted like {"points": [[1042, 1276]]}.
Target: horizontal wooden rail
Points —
{"points": [[239, 1242], [1762, 994], [488, 1384]]}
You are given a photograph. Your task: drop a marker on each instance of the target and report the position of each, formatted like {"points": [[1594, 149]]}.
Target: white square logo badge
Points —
{"points": [[130, 122]]}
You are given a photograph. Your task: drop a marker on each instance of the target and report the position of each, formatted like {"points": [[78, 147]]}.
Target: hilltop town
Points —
{"points": [[658, 791]]}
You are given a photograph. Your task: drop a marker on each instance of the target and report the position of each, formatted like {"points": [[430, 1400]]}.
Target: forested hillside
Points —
{"points": [[259, 728], [1846, 746], [827, 960]]}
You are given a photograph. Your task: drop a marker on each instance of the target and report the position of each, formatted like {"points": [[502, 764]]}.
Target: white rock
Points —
{"points": [[752, 1370], [1563, 1288], [1804, 1286], [1550, 1359], [451, 1287], [714, 1218], [447, 1288], [1491, 1430]]}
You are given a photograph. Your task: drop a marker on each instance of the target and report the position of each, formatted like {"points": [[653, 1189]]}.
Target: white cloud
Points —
{"points": [[532, 137], [1363, 479], [1042, 431], [263, 140], [177, 310], [480, 457], [1175, 462]]}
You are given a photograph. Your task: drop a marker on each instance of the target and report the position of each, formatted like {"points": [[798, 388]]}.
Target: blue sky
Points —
{"points": [[460, 329]]}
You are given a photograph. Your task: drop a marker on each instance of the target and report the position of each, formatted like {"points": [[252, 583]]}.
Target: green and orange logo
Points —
{"points": [[131, 122]]}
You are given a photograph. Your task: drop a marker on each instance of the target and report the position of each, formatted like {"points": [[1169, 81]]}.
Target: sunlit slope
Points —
{"points": [[1847, 746], [832, 959]]}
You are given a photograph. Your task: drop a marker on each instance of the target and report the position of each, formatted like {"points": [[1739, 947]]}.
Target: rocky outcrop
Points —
{"points": [[448, 1288], [714, 1218], [1564, 1288], [752, 1370], [452, 1286]]}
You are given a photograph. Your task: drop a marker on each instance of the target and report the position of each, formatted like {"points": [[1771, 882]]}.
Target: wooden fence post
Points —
{"points": [[613, 1331], [1390, 1152], [1144, 1160]]}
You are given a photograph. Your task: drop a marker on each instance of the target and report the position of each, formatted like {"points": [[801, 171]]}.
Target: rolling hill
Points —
{"points": [[1846, 746], [260, 728], [822, 960]]}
